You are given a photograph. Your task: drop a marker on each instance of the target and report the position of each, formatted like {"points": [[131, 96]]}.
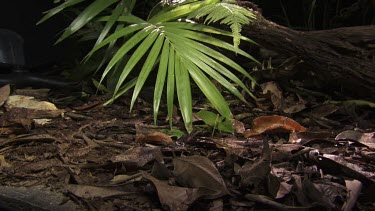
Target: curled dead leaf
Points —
{"points": [[148, 134], [157, 138], [273, 123]]}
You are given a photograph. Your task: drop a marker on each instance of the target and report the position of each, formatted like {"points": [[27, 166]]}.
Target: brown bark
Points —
{"points": [[343, 57]]}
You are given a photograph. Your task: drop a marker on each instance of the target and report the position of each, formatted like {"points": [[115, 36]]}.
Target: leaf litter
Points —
{"points": [[289, 151]]}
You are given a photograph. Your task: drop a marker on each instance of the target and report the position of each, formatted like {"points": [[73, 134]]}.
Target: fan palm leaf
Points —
{"points": [[182, 57], [160, 78], [178, 50]]}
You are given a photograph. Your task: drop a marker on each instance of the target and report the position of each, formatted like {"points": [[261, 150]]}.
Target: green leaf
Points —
{"points": [[170, 84], [123, 18], [211, 40], [111, 21], [195, 56], [184, 92], [58, 9], [208, 117], [203, 28], [137, 55], [147, 67], [215, 121], [208, 89], [173, 133], [118, 34], [114, 74], [108, 51], [125, 49], [198, 57], [225, 126], [130, 84], [214, 54], [160, 79], [98, 86], [85, 16]]}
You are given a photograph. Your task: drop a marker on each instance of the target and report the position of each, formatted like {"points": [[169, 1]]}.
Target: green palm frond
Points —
{"points": [[181, 52], [229, 14], [182, 56]]}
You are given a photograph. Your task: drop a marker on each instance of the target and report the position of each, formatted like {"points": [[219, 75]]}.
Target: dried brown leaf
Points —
{"points": [[305, 137], [199, 172], [253, 174], [273, 123], [239, 127], [273, 88], [138, 156], [157, 138], [367, 139], [174, 197]]}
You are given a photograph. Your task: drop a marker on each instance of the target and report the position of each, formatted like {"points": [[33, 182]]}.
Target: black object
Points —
{"points": [[14, 71], [11, 48]]}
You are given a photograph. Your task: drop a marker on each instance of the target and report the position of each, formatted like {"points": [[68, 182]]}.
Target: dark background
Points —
{"points": [[21, 16]]}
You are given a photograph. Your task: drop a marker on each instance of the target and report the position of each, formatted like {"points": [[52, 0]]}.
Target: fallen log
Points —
{"points": [[342, 58]]}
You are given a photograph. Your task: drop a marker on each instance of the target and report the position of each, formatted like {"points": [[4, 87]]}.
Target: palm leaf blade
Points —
{"points": [[210, 40], [170, 85], [184, 92], [200, 59], [119, 33], [85, 16], [214, 54], [137, 55], [204, 28], [208, 51], [208, 89], [195, 57], [124, 49], [160, 79], [111, 21], [124, 18], [147, 67]]}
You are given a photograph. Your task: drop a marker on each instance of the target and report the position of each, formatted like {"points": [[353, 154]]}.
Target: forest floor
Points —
{"points": [[288, 150]]}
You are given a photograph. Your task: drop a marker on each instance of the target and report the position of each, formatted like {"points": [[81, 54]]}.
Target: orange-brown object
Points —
{"points": [[157, 138], [273, 123]]}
